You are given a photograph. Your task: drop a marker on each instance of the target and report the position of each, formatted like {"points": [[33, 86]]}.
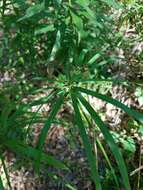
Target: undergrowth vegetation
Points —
{"points": [[71, 51]]}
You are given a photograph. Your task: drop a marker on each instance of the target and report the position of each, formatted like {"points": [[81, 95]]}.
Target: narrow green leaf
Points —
{"points": [[103, 151], [109, 163], [99, 64], [30, 152], [33, 10], [44, 29], [56, 46], [46, 127], [43, 100], [82, 56], [86, 142], [93, 59], [109, 139], [25, 107], [114, 102], [70, 187], [49, 121]]}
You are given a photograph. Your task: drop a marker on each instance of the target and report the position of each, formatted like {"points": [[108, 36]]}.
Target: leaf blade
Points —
{"points": [[87, 144], [114, 102], [27, 151], [109, 139], [46, 127]]}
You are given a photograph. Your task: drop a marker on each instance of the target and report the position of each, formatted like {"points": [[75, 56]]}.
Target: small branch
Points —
{"points": [[136, 170]]}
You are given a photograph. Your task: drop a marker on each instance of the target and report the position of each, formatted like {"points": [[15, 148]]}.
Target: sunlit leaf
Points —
{"points": [[56, 46], [93, 59], [44, 29], [33, 10], [129, 144]]}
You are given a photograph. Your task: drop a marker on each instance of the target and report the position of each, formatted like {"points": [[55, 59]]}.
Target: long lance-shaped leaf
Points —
{"points": [[114, 102], [33, 10], [109, 139], [86, 142], [24, 108], [108, 162], [56, 46], [46, 127], [29, 152], [104, 152]]}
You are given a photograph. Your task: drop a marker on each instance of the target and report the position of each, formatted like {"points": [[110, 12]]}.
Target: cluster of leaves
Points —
{"points": [[70, 43], [58, 33]]}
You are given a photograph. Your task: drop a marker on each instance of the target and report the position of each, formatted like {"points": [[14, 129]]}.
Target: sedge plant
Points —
{"points": [[70, 40]]}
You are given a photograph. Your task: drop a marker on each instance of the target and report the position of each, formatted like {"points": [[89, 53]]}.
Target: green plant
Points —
{"points": [[13, 131], [75, 93], [66, 43]]}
